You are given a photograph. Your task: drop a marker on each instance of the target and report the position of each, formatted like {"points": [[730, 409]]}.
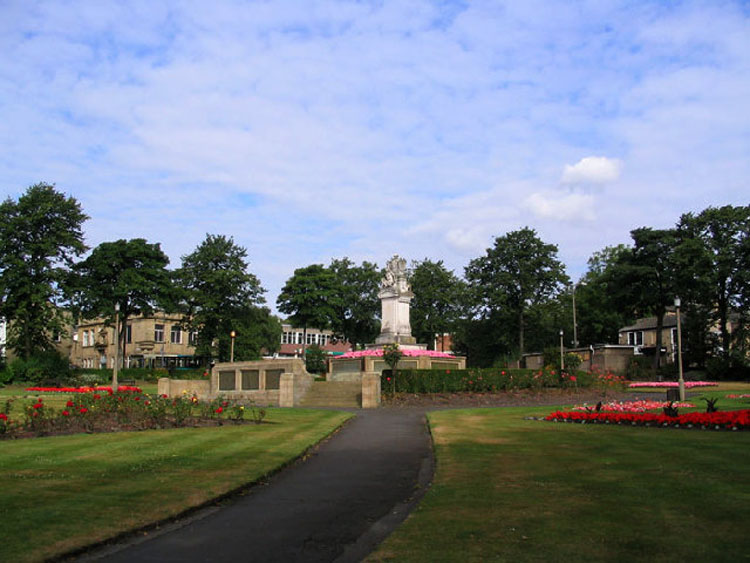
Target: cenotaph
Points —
{"points": [[395, 299]]}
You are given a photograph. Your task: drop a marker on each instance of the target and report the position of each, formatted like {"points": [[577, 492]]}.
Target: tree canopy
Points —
{"points": [[439, 298], [518, 272], [40, 237], [356, 307], [219, 295], [310, 298]]}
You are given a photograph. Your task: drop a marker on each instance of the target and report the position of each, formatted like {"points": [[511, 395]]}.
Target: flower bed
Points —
{"points": [[406, 352], [126, 410], [724, 420], [670, 384], [735, 396], [83, 389], [632, 406]]}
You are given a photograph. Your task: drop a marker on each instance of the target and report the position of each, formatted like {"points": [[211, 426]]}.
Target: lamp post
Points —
{"points": [[562, 351], [231, 350], [117, 348], [681, 380]]}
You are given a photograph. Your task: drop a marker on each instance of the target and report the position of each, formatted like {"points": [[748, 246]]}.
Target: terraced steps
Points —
{"points": [[333, 394]]}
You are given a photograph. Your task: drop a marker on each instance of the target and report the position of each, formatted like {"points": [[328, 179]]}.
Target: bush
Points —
{"points": [[315, 359], [47, 367], [489, 380], [733, 367]]}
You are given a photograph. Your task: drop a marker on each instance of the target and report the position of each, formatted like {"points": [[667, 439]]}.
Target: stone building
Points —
{"points": [[155, 341]]}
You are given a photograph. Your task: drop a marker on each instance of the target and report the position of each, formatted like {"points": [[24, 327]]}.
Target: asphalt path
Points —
{"points": [[336, 505]]}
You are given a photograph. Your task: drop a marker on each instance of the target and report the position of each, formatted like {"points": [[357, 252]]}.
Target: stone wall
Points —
{"points": [[176, 387]]}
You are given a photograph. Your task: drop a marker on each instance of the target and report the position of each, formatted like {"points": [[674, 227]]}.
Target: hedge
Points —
{"points": [[487, 380]]}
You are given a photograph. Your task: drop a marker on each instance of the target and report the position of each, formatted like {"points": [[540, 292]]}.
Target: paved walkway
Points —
{"points": [[335, 506]]}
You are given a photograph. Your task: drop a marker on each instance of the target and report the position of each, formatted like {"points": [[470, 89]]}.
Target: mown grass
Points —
{"points": [[510, 489], [61, 493]]}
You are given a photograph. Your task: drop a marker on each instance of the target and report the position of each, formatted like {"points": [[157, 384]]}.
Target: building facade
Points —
{"points": [[159, 341], [642, 336], [293, 341]]}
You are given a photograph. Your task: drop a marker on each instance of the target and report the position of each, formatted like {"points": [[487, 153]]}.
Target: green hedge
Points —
{"points": [[488, 380]]}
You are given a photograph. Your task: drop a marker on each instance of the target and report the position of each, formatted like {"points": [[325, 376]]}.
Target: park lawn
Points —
{"points": [[61, 493], [510, 489]]}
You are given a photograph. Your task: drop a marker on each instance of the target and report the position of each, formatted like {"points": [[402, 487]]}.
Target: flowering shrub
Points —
{"points": [[129, 410], [670, 384], [83, 389], [631, 406], [732, 420]]}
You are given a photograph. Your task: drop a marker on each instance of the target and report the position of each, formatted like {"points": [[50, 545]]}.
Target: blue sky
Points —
{"points": [[317, 130]]}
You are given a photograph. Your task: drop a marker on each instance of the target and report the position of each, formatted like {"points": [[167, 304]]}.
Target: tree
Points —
{"points": [[217, 293], [40, 236], [723, 235], [129, 273], [520, 271], [357, 306], [310, 298], [257, 332], [438, 300], [645, 277]]}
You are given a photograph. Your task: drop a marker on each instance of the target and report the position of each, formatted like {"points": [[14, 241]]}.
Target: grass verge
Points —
{"points": [[509, 489], [61, 493]]}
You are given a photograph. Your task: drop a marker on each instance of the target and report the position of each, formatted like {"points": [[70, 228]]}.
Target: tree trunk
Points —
{"points": [[520, 334], [659, 327]]}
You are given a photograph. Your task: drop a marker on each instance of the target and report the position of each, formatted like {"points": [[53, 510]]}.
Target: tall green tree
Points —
{"points": [[438, 303], [310, 298], [718, 239], [645, 277], [218, 294], [40, 237], [518, 272], [257, 332], [130, 273], [357, 307]]}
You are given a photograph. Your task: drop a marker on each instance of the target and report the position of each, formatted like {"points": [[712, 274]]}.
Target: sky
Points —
{"points": [[315, 130]]}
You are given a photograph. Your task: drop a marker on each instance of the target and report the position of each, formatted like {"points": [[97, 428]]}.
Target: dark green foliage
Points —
{"points": [[711, 404], [438, 303], [132, 273], [518, 272], [48, 367], [40, 236], [310, 298], [218, 295], [315, 359], [671, 410], [488, 380], [356, 306]]}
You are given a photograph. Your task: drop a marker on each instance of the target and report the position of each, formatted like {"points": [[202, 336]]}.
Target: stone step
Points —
{"points": [[333, 394]]}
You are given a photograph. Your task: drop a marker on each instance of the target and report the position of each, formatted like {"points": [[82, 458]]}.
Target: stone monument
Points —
{"points": [[395, 299]]}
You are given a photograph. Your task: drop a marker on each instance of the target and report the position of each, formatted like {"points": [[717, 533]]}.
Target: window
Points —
{"points": [[635, 338], [159, 333], [194, 338], [298, 337], [91, 338], [175, 335], [129, 334], [310, 338], [85, 338], [323, 338], [286, 338]]}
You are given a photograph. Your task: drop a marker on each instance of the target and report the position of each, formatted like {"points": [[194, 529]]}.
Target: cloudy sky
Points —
{"points": [[320, 129]]}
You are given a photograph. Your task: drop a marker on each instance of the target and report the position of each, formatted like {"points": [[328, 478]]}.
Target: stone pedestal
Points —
{"points": [[395, 324], [370, 390]]}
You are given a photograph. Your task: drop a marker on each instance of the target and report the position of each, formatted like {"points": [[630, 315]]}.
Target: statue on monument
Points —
{"points": [[395, 297]]}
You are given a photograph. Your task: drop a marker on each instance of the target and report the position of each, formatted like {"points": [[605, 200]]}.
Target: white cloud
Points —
{"points": [[565, 207], [592, 170]]}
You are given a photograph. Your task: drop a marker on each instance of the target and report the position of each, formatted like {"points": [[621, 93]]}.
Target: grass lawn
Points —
{"points": [[64, 492], [509, 489]]}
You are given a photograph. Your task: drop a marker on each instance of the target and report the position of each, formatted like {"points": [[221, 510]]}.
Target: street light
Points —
{"points": [[231, 353], [117, 348], [562, 351], [681, 380]]}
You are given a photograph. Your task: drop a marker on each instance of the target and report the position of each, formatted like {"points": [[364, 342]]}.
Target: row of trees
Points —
{"points": [[42, 284], [514, 298]]}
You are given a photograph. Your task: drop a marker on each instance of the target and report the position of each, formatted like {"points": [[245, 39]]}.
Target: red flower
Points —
{"points": [[573, 378], [447, 371], [137, 398], [502, 373], [65, 413], [97, 396], [83, 410], [220, 410], [3, 416], [387, 378], [38, 406], [69, 404]]}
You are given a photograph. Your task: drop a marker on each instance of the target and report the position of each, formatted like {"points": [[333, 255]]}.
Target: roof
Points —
{"points": [[649, 323]]}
